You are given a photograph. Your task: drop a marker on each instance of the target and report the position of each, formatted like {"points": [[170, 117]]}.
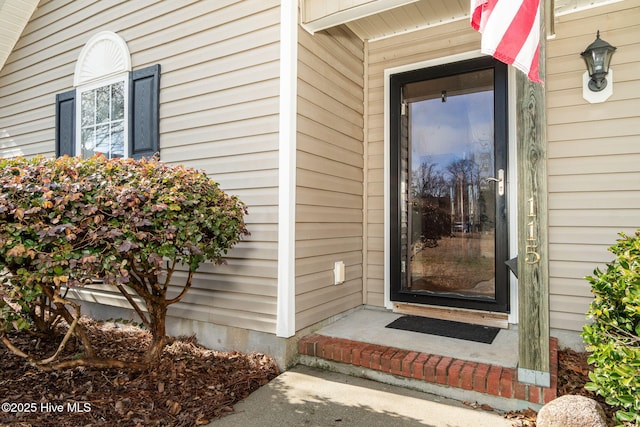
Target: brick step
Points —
{"points": [[467, 375]]}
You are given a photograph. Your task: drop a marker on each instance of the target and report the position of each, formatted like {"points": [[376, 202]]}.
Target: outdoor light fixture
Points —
{"points": [[597, 56]]}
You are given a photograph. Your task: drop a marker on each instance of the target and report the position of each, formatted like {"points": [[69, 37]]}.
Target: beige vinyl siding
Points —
{"points": [[409, 48], [219, 112], [329, 177], [593, 154]]}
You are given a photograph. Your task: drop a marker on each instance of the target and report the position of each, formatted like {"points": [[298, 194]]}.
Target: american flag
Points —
{"points": [[510, 32]]}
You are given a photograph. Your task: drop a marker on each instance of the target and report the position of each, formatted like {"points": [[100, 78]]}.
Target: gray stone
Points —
{"points": [[572, 411]]}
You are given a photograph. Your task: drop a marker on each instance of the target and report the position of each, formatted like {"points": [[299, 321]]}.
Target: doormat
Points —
{"points": [[446, 328]]}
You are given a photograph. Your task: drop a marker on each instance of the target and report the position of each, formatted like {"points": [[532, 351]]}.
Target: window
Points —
{"points": [[102, 121], [117, 110]]}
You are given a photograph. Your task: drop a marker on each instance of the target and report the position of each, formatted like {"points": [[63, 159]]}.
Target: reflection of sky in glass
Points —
{"points": [[442, 132]]}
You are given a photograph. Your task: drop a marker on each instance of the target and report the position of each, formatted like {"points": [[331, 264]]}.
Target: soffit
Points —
{"points": [[427, 13], [14, 15]]}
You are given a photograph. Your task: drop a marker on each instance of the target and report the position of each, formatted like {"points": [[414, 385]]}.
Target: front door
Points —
{"points": [[449, 231]]}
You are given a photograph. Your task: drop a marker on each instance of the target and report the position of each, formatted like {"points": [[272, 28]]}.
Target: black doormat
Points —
{"points": [[446, 328]]}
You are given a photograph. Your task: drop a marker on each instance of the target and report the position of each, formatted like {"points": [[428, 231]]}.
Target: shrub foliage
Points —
{"points": [[614, 336], [68, 223]]}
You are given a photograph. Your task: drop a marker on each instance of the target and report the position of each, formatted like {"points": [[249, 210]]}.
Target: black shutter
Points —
{"points": [[66, 123], [144, 112]]}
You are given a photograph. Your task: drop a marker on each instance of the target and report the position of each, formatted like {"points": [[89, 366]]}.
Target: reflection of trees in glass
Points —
{"points": [[449, 202], [102, 120], [465, 182], [430, 204], [428, 181], [465, 169]]}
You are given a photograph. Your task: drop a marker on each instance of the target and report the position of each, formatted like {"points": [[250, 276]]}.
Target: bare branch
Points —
{"points": [[185, 288], [135, 306], [62, 343], [15, 350], [170, 271], [95, 363]]}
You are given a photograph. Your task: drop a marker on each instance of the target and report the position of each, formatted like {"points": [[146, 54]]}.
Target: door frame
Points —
{"points": [[511, 173]]}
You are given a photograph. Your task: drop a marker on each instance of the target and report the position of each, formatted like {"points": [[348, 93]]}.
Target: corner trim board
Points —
{"points": [[285, 316]]}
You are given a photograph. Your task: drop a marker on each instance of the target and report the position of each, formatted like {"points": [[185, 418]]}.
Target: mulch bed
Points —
{"points": [[190, 387], [573, 374]]}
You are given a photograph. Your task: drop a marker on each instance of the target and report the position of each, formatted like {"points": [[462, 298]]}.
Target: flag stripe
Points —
{"points": [[477, 13], [499, 22], [510, 32], [527, 59], [516, 36]]}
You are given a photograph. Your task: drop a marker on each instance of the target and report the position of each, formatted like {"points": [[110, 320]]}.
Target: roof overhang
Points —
{"points": [[319, 15], [378, 19], [14, 16]]}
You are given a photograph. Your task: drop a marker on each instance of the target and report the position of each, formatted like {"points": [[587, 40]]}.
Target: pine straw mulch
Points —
{"points": [[190, 387], [573, 374]]}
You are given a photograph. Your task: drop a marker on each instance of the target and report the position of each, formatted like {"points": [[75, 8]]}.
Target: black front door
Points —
{"points": [[449, 231]]}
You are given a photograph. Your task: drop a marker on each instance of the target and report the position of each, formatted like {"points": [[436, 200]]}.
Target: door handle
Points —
{"points": [[499, 180]]}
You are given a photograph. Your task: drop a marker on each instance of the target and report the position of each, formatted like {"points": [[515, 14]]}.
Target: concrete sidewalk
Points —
{"points": [[305, 396]]}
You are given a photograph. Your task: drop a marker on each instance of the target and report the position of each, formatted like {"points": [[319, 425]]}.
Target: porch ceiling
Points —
{"points": [[425, 13]]}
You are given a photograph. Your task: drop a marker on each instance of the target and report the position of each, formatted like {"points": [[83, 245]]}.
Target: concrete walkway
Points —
{"points": [[305, 396]]}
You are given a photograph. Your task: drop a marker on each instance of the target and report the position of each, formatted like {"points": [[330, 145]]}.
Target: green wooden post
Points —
{"points": [[533, 255]]}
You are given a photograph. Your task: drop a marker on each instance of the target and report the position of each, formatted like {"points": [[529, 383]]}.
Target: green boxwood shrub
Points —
{"points": [[130, 223], [613, 339]]}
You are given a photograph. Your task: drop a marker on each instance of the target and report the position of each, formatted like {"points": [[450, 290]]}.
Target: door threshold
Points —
{"points": [[485, 318]]}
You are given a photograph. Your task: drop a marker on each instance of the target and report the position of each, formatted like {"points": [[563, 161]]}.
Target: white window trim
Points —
{"points": [[104, 60], [94, 85]]}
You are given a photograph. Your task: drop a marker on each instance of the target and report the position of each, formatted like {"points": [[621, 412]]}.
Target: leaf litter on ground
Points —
{"points": [[191, 386]]}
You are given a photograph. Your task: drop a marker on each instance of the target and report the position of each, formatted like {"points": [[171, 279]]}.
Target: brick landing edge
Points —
{"points": [[480, 377]]}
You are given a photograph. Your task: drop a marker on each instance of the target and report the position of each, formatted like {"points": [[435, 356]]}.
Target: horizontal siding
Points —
{"points": [[329, 175], [409, 48], [219, 108], [594, 180]]}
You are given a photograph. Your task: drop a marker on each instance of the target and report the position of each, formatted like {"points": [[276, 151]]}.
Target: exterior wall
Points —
{"points": [[329, 178], [594, 181], [219, 112], [593, 154], [431, 43]]}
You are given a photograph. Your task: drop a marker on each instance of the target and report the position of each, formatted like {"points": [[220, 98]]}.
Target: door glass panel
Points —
{"points": [[447, 190]]}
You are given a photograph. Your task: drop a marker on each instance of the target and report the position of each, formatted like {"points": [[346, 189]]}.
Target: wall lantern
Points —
{"points": [[597, 56]]}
